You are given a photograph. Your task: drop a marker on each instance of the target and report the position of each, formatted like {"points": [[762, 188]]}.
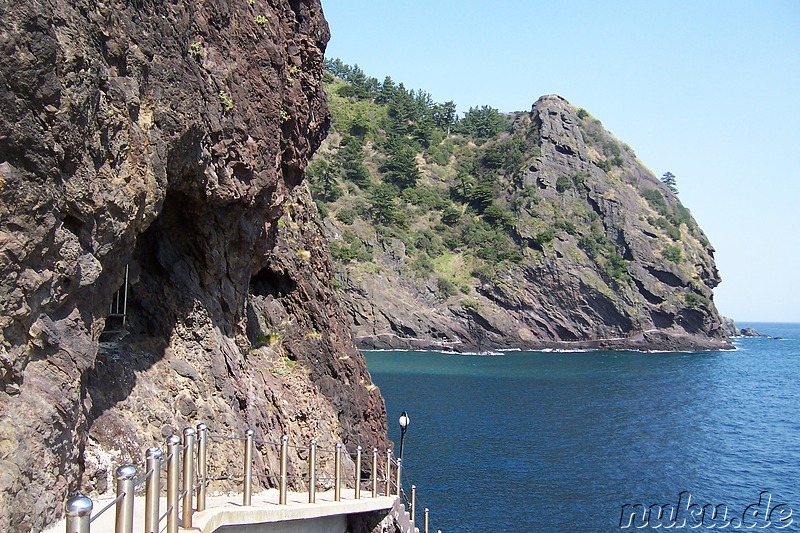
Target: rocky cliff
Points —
{"points": [[602, 254], [169, 138]]}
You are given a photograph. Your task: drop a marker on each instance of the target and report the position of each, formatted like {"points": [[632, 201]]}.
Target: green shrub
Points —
{"points": [[672, 253], [424, 196], [423, 264], [350, 251], [437, 155], [696, 301], [656, 201], [446, 287], [226, 100], [429, 242], [595, 242], [563, 183], [451, 216], [579, 180], [485, 272], [499, 216], [681, 215], [470, 305], [543, 237], [262, 21], [565, 225], [663, 223], [589, 245], [616, 268], [346, 215]]}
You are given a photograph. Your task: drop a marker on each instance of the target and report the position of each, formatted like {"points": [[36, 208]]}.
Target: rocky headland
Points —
{"points": [[169, 138], [548, 234]]}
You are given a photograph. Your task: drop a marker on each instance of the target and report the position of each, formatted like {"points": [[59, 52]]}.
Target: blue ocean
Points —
{"points": [[590, 441]]}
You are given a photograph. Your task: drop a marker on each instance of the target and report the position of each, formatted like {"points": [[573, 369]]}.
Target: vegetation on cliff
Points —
{"points": [[459, 210]]}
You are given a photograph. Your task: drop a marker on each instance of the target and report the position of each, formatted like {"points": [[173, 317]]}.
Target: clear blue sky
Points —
{"points": [[709, 90]]}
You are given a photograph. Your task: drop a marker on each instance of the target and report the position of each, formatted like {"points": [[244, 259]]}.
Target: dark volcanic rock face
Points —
{"points": [[166, 137], [611, 259]]}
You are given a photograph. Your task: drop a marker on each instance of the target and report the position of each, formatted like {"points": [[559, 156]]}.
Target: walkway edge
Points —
{"points": [[263, 512]]}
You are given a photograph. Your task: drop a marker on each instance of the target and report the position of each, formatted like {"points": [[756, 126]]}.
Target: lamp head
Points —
{"points": [[404, 420]]}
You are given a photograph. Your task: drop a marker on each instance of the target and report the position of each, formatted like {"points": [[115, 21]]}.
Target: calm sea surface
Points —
{"points": [[532, 441]]}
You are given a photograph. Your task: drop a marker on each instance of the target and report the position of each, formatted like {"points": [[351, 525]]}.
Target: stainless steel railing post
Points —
{"points": [[247, 497], [126, 477], [202, 469], [337, 473], [388, 472], [152, 489], [413, 501], [312, 472], [426, 520], [358, 474], [173, 481], [188, 477], [284, 469], [399, 473], [79, 513], [374, 472]]}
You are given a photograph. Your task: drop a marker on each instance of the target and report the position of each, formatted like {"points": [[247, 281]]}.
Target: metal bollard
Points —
{"points": [[413, 501], [284, 469], [248, 468], [152, 459], [126, 477], [312, 472], [188, 477], [426, 520], [337, 473], [173, 480], [388, 472], [399, 473], [202, 469], [79, 513], [358, 473], [374, 472]]}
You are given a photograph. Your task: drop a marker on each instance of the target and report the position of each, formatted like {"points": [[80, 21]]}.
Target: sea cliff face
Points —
{"points": [[170, 138]]}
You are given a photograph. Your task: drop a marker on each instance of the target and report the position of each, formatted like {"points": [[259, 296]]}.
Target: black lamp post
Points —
{"points": [[404, 421]]}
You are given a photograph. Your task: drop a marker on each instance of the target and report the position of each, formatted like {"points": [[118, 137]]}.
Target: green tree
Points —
{"points": [[402, 112], [451, 216], [387, 91], [351, 160], [481, 195], [482, 122], [448, 115], [383, 203], [401, 168], [668, 179], [322, 178]]}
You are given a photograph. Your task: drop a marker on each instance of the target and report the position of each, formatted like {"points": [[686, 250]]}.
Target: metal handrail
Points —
{"points": [[111, 504], [195, 479]]}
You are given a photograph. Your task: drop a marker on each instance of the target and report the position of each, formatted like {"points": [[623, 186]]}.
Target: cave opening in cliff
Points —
{"points": [[118, 310], [268, 282]]}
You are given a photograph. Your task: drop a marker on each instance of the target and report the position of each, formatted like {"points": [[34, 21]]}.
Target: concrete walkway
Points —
{"points": [[228, 510]]}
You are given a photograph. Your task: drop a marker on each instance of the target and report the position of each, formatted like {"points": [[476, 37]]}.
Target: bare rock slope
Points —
{"points": [[169, 138]]}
